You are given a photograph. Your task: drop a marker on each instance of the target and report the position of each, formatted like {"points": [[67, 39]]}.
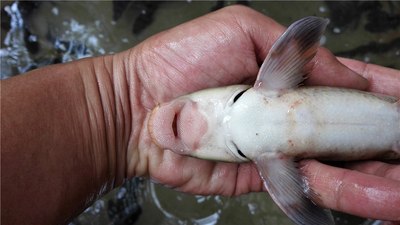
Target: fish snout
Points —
{"points": [[178, 126]]}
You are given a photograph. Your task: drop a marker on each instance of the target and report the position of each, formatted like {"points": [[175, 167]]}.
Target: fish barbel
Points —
{"points": [[276, 122]]}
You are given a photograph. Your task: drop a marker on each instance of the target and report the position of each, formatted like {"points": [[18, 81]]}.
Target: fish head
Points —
{"points": [[196, 124]]}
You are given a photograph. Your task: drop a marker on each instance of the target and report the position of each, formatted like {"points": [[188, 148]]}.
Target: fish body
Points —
{"points": [[275, 122], [314, 122]]}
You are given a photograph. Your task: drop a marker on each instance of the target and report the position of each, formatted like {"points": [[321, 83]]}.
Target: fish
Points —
{"points": [[277, 122]]}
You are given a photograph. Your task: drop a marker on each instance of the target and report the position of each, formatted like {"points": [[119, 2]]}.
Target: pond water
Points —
{"points": [[36, 34]]}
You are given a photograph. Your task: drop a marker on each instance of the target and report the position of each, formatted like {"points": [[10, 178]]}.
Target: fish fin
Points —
{"points": [[283, 68], [287, 189]]}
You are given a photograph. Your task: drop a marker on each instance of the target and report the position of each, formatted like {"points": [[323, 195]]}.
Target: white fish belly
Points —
{"points": [[331, 123], [354, 124]]}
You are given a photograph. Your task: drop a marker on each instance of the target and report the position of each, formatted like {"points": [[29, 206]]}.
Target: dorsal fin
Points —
{"points": [[283, 68]]}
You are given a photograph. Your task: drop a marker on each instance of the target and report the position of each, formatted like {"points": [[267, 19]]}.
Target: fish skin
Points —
{"points": [[274, 123], [305, 103], [315, 122]]}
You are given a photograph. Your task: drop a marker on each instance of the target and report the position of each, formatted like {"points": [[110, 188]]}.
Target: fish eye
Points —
{"points": [[238, 95]]}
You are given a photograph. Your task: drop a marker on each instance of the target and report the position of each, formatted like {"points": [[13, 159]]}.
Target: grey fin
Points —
{"points": [[283, 68], [287, 189]]}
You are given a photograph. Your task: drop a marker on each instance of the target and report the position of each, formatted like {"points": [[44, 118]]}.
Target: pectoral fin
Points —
{"points": [[284, 184], [283, 67]]}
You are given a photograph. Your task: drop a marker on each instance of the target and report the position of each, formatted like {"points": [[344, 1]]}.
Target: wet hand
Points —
{"points": [[221, 48], [369, 189]]}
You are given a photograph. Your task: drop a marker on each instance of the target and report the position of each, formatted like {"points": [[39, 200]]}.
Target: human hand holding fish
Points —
{"points": [[81, 128], [172, 126]]}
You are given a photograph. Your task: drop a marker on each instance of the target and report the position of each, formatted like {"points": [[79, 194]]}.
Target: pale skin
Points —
{"points": [[71, 132]]}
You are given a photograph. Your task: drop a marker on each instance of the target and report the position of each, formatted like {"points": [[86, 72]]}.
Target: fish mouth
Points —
{"points": [[178, 126], [175, 125], [163, 125]]}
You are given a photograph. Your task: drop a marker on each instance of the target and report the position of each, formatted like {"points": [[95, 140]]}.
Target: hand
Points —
{"points": [[76, 130], [222, 48]]}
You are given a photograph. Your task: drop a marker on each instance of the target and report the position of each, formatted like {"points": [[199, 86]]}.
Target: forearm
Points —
{"points": [[65, 130]]}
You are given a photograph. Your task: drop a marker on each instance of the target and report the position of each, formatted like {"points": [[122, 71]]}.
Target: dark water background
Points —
{"points": [[39, 33]]}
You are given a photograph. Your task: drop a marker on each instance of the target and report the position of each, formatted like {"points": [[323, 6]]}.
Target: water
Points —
{"points": [[36, 34], [52, 32]]}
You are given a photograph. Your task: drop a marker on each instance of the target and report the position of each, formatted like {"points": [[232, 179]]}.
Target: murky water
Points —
{"points": [[35, 34]]}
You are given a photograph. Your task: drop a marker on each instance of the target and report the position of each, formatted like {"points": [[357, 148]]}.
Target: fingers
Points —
{"points": [[381, 169], [248, 179], [350, 191], [329, 71], [204, 177], [382, 80]]}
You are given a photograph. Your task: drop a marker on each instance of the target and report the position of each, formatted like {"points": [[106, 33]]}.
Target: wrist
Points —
{"points": [[109, 119], [135, 101], [118, 103]]}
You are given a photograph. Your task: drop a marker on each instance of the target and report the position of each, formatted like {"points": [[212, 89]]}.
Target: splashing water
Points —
{"points": [[69, 42], [15, 57]]}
